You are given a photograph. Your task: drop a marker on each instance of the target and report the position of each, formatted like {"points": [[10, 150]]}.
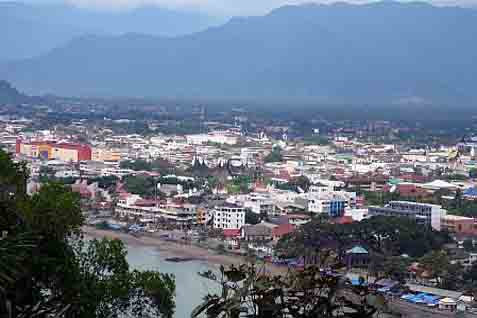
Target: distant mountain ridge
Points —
{"points": [[379, 52], [10, 95], [29, 30]]}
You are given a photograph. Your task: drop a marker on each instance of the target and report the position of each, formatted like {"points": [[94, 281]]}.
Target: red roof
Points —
{"points": [[347, 219], [283, 229], [231, 232]]}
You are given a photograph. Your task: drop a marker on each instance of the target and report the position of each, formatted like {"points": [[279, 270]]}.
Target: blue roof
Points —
{"points": [[421, 298], [357, 250], [358, 282], [471, 191]]}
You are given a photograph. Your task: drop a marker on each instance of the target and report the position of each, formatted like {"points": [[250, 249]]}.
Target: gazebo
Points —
{"points": [[357, 257], [448, 304]]}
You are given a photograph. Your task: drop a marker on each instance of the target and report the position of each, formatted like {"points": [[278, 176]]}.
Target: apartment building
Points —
{"points": [[423, 213], [328, 203], [228, 216], [459, 225], [102, 154], [147, 211]]}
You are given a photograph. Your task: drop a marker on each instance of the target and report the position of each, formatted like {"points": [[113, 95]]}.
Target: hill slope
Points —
{"points": [[10, 95], [384, 51], [30, 30]]}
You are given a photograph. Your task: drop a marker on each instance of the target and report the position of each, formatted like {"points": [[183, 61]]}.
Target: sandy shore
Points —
{"points": [[176, 249], [167, 248]]}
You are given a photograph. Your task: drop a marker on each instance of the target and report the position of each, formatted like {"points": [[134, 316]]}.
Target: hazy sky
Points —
{"points": [[217, 7]]}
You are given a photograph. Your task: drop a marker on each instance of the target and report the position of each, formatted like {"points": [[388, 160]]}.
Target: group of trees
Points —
{"points": [[248, 291], [158, 165], [460, 206], [393, 244], [384, 237], [239, 184], [142, 185], [47, 268], [275, 155]]}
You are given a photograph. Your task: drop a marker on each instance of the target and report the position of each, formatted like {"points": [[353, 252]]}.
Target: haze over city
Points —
{"points": [[238, 159]]}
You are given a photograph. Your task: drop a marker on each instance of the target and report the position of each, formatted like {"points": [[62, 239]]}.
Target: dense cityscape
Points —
{"points": [[238, 159], [234, 186]]}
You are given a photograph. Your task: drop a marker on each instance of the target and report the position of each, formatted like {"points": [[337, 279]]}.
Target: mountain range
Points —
{"points": [[379, 52], [10, 95], [28, 30]]}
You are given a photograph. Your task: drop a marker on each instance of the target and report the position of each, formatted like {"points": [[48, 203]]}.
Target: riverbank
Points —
{"points": [[168, 248]]}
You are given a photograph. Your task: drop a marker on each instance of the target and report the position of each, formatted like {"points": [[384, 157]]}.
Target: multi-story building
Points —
{"points": [[134, 207], [101, 154], [328, 203], [459, 225], [425, 214], [67, 152], [349, 196], [228, 216], [259, 203]]}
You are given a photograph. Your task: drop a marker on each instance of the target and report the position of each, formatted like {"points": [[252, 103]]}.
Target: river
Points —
{"points": [[190, 287]]}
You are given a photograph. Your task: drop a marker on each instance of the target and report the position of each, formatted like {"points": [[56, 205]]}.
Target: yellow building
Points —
{"points": [[201, 215]]}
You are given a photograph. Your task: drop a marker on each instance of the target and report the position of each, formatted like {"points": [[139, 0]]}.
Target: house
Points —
{"points": [[256, 233], [459, 225], [282, 230], [232, 237]]}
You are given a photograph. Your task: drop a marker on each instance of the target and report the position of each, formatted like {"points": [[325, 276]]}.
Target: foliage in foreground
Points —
{"points": [[47, 269], [250, 292]]}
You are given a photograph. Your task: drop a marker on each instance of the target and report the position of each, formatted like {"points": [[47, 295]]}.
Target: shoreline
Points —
{"points": [[167, 248]]}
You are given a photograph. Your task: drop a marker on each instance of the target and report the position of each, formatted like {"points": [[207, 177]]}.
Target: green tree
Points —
{"points": [[473, 173], [468, 245], [47, 269], [106, 182], [246, 290], [275, 155], [252, 217], [470, 275], [141, 185], [457, 202], [437, 263], [136, 165]]}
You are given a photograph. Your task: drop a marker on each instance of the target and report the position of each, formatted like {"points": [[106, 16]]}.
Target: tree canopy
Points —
{"points": [[386, 235], [247, 291], [48, 269]]}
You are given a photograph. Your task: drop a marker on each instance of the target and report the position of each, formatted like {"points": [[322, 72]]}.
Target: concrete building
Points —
{"points": [[459, 225], [146, 211], [328, 203], [425, 214], [67, 152], [102, 154], [259, 203], [219, 137], [228, 216]]}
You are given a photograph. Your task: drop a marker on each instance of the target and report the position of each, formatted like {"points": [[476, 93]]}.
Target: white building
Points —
{"points": [[259, 203], [228, 216], [350, 197], [219, 137], [423, 213], [133, 207], [357, 214], [67, 174], [327, 203]]}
